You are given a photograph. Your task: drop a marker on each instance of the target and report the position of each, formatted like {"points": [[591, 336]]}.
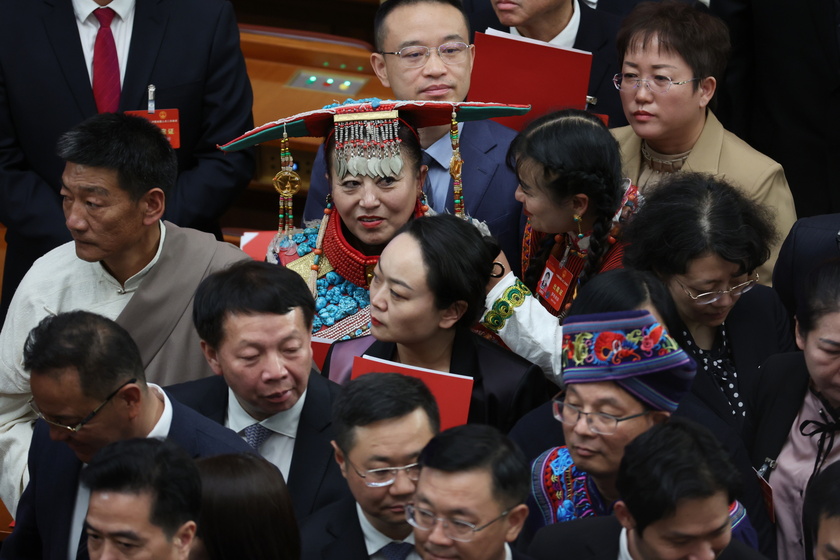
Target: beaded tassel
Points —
{"points": [[455, 168], [286, 183], [318, 251]]}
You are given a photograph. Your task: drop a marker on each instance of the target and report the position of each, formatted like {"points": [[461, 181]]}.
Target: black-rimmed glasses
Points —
{"points": [[657, 84], [710, 297], [598, 422], [417, 56], [87, 418], [457, 530]]}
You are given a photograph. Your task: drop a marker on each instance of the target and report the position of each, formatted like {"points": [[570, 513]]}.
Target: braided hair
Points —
{"points": [[578, 155]]}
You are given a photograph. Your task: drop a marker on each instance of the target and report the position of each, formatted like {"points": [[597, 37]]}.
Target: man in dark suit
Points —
{"points": [[488, 182], [570, 24], [255, 324], [145, 497], [89, 389], [382, 422], [187, 49], [676, 484], [470, 498]]}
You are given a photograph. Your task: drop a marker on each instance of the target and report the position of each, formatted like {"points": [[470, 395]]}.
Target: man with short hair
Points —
{"points": [[382, 421], [488, 182], [821, 515], [124, 263], [88, 390], [570, 24], [676, 485], [470, 498], [145, 497], [255, 324]]}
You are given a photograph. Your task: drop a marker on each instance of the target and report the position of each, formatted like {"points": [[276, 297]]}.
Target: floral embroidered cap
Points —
{"points": [[632, 349]]}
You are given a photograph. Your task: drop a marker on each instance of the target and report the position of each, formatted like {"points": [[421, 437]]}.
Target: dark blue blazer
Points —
{"points": [[314, 477], [596, 34], [489, 184], [189, 49], [597, 538], [45, 511]]}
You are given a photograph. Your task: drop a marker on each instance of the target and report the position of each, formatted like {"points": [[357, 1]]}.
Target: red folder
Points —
{"points": [[452, 392], [512, 69]]}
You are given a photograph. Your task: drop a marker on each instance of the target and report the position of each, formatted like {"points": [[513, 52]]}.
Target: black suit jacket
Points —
{"points": [[314, 477], [596, 34], [489, 184], [810, 242], [45, 511], [597, 538], [189, 49]]}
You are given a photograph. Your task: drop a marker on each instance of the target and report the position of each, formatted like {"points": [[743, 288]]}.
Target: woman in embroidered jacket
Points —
{"points": [[376, 179], [574, 197]]}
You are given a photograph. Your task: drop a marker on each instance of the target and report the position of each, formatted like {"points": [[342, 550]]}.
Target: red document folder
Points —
{"points": [[512, 69], [452, 392]]}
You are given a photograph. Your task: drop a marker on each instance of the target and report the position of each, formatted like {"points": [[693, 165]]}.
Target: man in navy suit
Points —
{"points": [[188, 49], [470, 497], [676, 484], [88, 390], [488, 182], [255, 324], [382, 421]]}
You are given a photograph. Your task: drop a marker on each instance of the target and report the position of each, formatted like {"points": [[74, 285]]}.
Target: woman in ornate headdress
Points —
{"points": [[376, 178]]}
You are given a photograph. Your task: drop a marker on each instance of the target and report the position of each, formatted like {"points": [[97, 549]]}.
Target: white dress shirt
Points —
{"points": [[566, 38], [374, 540], [121, 28], [280, 445]]}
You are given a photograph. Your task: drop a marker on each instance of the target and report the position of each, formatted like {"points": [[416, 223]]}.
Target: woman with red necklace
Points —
{"points": [[376, 186]]}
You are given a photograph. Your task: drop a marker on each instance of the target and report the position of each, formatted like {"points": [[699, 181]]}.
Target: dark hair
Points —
{"points": [[822, 295], [248, 287], [385, 9], [690, 215], [701, 39], [412, 152], [623, 289], [673, 461], [101, 351], [458, 261], [374, 397], [159, 467], [132, 146], [246, 510], [822, 501], [577, 155], [481, 446]]}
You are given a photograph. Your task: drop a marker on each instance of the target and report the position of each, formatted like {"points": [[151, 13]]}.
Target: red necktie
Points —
{"points": [[106, 67]]}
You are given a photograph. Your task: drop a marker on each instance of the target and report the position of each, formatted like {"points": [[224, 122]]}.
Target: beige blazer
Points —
{"points": [[720, 152]]}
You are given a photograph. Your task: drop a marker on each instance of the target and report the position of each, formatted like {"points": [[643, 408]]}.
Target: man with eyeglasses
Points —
{"points": [[423, 53], [470, 498], [382, 421], [88, 390]]}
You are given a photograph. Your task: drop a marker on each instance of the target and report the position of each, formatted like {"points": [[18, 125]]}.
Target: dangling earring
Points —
{"points": [[576, 218], [424, 203]]}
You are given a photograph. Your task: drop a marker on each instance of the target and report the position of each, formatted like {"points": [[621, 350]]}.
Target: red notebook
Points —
{"points": [[511, 69], [452, 392]]}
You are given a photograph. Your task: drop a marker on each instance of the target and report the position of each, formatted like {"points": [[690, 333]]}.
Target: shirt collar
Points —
{"points": [[374, 540], [566, 38], [285, 422], [164, 423], [441, 150], [84, 8], [133, 283]]}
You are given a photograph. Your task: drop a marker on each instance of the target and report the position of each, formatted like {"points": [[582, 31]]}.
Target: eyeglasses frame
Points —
{"points": [[429, 52], [561, 401], [409, 516], [744, 286], [86, 419], [620, 76], [394, 470]]}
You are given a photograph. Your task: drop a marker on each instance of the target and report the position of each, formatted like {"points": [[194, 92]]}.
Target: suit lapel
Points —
{"points": [[312, 451], [347, 539], [478, 168], [63, 35], [150, 17]]}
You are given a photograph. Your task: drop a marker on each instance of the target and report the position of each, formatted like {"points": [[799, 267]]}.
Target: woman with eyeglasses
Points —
{"points": [[671, 57], [705, 240], [797, 408]]}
